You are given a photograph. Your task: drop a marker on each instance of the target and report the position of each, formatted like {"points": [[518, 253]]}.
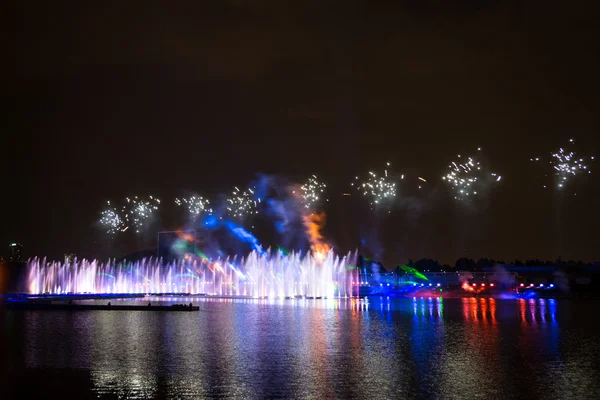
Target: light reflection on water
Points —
{"points": [[337, 348]]}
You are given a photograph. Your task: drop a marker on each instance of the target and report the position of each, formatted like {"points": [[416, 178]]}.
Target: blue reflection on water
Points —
{"points": [[345, 348]]}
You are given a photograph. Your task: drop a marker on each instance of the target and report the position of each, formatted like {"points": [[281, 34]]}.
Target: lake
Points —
{"points": [[376, 348]]}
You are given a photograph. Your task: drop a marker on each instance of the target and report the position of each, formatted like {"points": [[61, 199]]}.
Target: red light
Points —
{"points": [[483, 284]]}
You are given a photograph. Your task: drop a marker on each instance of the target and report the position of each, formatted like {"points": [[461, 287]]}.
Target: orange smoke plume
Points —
{"points": [[313, 224], [185, 236]]}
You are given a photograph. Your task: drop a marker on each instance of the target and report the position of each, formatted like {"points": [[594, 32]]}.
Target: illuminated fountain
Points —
{"points": [[260, 274]]}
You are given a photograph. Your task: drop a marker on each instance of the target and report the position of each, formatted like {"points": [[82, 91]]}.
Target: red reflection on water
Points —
{"points": [[483, 305], [522, 311], [481, 334], [482, 310], [493, 310]]}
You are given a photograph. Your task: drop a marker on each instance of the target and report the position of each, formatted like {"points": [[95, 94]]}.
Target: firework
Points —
{"points": [[134, 212], [242, 203], [312, 192], [139, 210], [196, 205], [467, 177], [379, 188], [565, 164], [111, 220], [422, 182]]}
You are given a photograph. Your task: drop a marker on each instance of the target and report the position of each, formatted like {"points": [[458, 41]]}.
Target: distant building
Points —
{"points": [[15, 254]]}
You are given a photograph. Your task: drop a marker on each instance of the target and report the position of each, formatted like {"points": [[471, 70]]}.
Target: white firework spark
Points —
{"points": [[196, 205], [111, 220], [565, 165], [134, 213], [312, 192], [379, 188], [467, 177], [139, 210], [242, 203]]}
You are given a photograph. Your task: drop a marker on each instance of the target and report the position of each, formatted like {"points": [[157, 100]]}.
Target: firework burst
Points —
{"points": [[111, 220], [468, 177], [312, 192], [139, 210], [241, 203], [566, 165], [379, 188], [133, 213], [195, 205]]}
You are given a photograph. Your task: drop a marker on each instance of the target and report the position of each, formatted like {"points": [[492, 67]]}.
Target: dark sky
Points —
{"points": [[123, 98]]}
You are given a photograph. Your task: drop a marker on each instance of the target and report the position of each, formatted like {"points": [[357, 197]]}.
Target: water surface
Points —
{"points": [[300, 349]]}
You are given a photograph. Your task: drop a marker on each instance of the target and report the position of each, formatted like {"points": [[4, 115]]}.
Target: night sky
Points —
{"points": [[124, 98]]}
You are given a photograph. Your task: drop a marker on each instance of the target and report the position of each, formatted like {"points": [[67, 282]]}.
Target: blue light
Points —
{"points": [[211, 221], [280, 227], [245, 236], [551, 285]]}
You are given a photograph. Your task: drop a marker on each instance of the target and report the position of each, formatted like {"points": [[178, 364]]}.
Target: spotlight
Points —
{"points": [[551, 285], [522, 284], [483, 284], [491, 284]]}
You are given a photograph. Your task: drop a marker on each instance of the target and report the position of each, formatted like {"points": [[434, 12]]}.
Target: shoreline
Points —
{"points": [[21, 298]]}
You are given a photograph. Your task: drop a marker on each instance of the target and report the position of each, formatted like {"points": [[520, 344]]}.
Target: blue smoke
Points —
{"points": [[210, 221], [277, 202], [280, 226], [213, 223], [277, 209], [244, 236]]}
